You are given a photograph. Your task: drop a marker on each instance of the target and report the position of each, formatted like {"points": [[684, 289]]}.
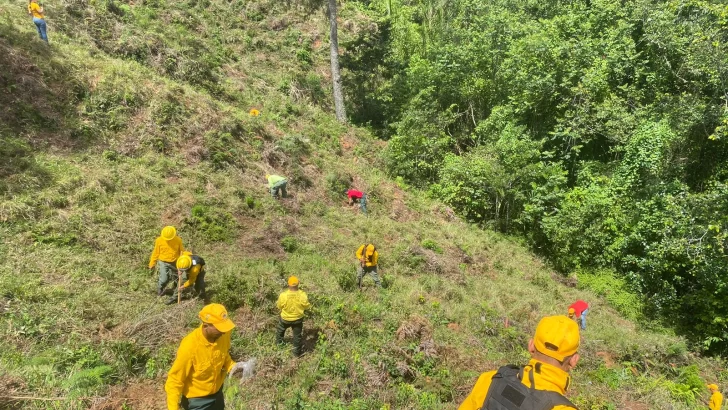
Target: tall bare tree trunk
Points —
{"points": [[335, 72]]}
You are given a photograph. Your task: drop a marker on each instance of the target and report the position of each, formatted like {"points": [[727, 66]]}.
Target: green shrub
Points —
{"points": [[337, 184], [213, 225], [230, 290], [346, 279], [290, 244], [89, 381], [431, 245]]}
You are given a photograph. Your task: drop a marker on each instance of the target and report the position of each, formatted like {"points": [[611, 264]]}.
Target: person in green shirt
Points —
{"points": [[277, 184]]}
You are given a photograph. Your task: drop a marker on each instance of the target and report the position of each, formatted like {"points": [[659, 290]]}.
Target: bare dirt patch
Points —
{"points": [[143, 395]]}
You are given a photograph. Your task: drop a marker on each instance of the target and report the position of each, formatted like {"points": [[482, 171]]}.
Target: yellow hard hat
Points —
{"points": [[293, 281], [184, 262], [168, 233], [571, 311], [713, 386]]}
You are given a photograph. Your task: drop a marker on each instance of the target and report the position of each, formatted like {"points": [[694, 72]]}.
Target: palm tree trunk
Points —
{"points": [[335, 72]]}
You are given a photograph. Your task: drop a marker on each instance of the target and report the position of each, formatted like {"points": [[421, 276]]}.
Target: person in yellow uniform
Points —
{"points": [[192, 272], [541, 384], [292, 303], [367, 259], [167, 248], [716, 399], [36, 10], [203, 361]]}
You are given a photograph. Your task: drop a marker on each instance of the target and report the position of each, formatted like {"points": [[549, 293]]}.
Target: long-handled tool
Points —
{"points": [[179, 286]]}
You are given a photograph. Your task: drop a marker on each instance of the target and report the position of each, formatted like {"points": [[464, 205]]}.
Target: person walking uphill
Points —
{"points": [[167, 248], [292, 303], [36, 10], [541, 384], [367, 257], [192, 272], [716, 399], [277, 183], [203, 361], [577, 311]]}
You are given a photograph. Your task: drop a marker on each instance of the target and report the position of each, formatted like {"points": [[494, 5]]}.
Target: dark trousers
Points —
{"points": [[212, 402], [297, 326]]}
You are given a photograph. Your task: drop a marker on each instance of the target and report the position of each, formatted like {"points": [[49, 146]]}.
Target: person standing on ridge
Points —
{"points": [[203, 361], [36, 10], [357, 196], [167, 248], [541, 384], [716, 399], [292, 303], [277, 183], [577, 311], [367, 259], [192, 273]]}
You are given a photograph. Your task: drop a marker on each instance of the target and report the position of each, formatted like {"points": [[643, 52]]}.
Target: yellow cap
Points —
{"points": [[168, 233], [370, 250], [557, 337], [713, 386], [216, 315], [184, 262], [571, 311], [293, 281]]}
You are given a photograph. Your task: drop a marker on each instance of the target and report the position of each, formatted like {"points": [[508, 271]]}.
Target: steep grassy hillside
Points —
{"points": [[137, 116]]}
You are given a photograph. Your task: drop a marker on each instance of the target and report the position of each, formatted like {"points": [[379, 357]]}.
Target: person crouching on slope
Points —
{"points": [[292, 303], [578, 311], [203, 361], [541, 384], [357, 196], [192, 273], [276, 184], [167, 248]]}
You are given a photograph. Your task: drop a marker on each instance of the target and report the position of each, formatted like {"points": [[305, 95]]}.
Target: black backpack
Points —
{"points": [[506, 392], [196, 260]]}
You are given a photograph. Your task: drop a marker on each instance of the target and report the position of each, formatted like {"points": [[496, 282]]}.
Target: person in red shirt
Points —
{"points": [[577, 311], [357, 196]]}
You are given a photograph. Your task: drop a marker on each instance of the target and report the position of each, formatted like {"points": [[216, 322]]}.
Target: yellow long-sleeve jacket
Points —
{"points": [[292, 304], [199, 369], [192, 274], [166, 251], [548, 378], [370, 260], [716, 401]]}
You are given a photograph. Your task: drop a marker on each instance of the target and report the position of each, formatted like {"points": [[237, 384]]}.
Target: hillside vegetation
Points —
{"points": [[137, 116], [596, 130]]}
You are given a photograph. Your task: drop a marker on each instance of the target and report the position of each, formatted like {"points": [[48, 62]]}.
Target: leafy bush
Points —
{"points": [[431, 245], [289, 244], [213, 225], [337, 184]]}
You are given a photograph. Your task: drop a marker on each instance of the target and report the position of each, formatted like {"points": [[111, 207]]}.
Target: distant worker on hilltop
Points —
{"points": [[357, 196], [541, 384], [577, 311], [167, 248], [203, 361], [276, 184], [716, 399], [292, 303], [36, 10], [367, 259], [192, 276]]}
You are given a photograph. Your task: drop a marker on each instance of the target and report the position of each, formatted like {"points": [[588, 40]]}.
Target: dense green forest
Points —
{"points": [[596, 130]]}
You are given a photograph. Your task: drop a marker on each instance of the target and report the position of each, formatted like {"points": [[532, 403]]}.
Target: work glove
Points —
{"points": [[237, 367]]}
